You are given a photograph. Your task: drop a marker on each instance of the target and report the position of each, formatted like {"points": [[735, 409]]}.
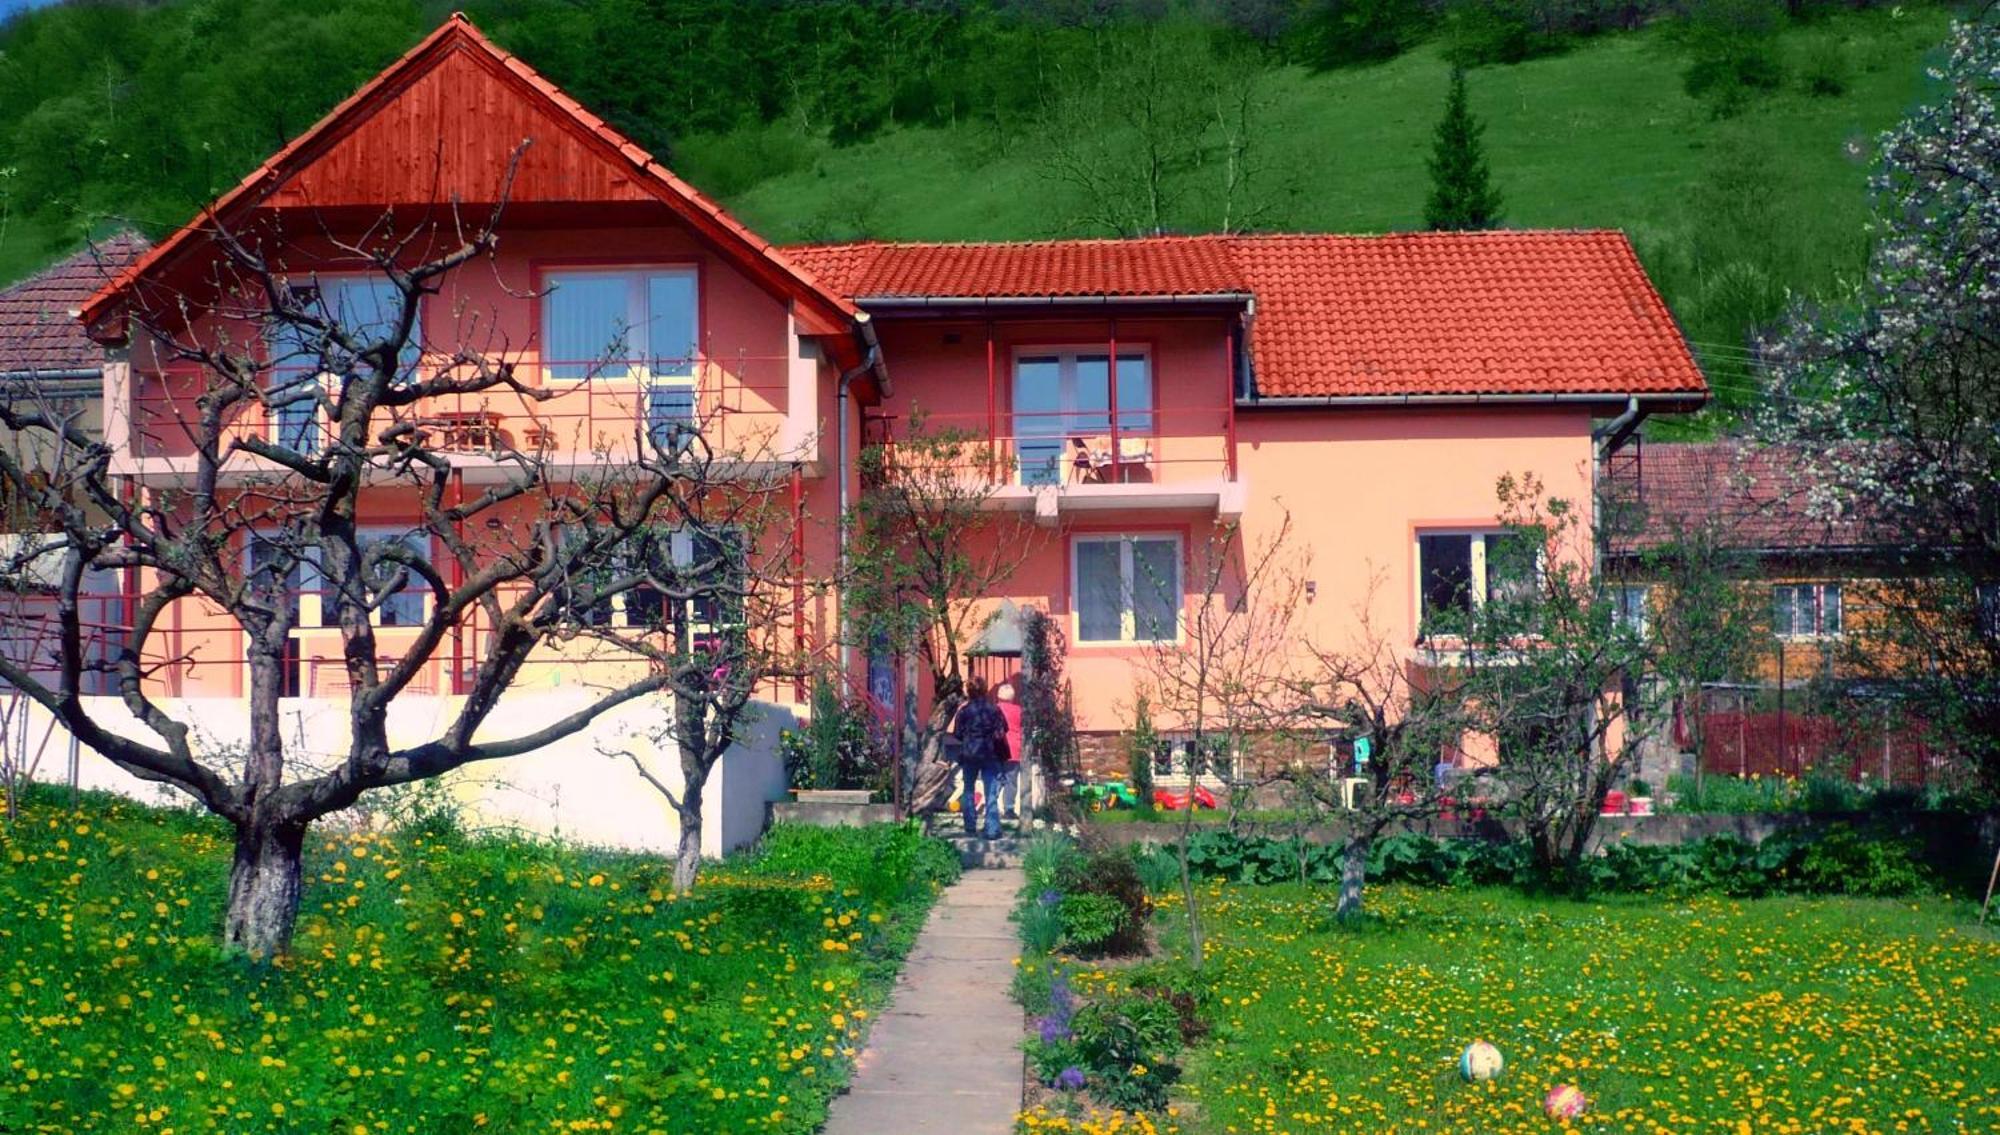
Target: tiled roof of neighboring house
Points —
{"points": [[39, 330], [1760, 496], [1416, 314]]}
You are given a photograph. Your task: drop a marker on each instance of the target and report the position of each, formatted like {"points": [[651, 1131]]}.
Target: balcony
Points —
{"points": [[740, 408], [1059, 465]]}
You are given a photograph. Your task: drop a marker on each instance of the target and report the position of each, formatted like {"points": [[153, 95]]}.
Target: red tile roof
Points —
{"points": [[39, 330], [1759, 495], [458, 34], [1417, 314]]}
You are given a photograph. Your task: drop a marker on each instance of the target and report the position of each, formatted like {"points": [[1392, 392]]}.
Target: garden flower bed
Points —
{"points": [[440, 982]]}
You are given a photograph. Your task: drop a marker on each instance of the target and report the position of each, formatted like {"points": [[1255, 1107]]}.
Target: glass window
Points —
{"points": [[1630, 605], [1458, 572], [1128, 588], [366, 308], [1988, 602], [1062, 397], [400, 592], [621, 324], [1802, 610], [1444, 564]]}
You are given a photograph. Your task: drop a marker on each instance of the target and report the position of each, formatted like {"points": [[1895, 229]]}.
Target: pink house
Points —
{"points": [[1140, 392]]}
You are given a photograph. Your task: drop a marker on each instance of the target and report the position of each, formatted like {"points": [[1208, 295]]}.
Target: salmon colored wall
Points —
{"points": [[494, 307], [1359, 484]]}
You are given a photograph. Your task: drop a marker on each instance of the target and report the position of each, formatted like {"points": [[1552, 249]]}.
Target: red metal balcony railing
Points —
{"points": [[1169, 445], [740, 405]]}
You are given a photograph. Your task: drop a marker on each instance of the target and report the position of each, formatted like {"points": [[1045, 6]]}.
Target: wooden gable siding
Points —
{"points": [[448, 135]]}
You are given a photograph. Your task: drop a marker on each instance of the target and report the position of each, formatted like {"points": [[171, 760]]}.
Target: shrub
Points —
{"points": [[1844, 862], [1113, 874], [1126, 1046], [885, 861], [1088, 921], [1341, 33], [838, 748], [1159, 869]]}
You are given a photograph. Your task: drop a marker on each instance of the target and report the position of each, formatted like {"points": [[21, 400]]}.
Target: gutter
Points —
{"points": [[1175, 298], [1301, 402], [871, 363], [82, 380], [1618, 430]]}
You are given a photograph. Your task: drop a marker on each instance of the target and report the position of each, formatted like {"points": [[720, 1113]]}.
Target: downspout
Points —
{"points": [[871, 362], [1604, 441]]}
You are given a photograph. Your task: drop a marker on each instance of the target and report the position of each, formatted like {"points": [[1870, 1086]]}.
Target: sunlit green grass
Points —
{"points": [[1775, 1015], [438, 984]]}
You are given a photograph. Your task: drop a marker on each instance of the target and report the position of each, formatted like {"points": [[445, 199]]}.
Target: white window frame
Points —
{"points": [[319, 283], [1066, 356], [1818, 590], [312, 584], [641, 362], [1633, 603], [1479, 582], [1127, 618], [416, 584]]}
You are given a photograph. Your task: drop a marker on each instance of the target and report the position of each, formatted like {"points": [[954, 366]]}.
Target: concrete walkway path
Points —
{"points": [[944, 1056]]}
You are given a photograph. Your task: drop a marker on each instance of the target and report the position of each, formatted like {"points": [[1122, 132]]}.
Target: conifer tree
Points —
{"points": [[1462, 194]]}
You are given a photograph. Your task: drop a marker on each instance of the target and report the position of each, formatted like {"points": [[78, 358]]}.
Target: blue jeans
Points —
{"points": [[984, 776], [1010, 786]]}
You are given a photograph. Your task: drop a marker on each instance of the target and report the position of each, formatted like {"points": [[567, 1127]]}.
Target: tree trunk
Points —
{"points": [[1188, 900], [687, 862], [1353, 876], [264, 885]]}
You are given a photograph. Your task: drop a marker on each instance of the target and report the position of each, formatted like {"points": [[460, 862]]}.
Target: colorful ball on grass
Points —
{"points": [[1480, 1061], [1565, 1101]]}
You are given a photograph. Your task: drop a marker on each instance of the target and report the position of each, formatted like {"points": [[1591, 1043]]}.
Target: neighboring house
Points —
{"points": [[44, 352], [1816, 573], [1145, 391]]}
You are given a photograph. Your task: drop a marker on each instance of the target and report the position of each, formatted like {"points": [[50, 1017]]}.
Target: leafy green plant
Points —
{"points": [[1046, 858], [1127, 1044], [1090, 921], [1040, 923], [1112, 874]]}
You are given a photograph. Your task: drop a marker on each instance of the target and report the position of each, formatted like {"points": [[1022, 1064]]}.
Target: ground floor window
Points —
{"points": [[1805, 610], [1127, 588], [1459, 572]]}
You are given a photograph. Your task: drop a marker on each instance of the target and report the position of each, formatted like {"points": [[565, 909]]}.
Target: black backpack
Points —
{"points": [[979, 724]]}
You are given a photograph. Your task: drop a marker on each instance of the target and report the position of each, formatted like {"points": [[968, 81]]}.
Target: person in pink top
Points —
{"points": [[1010, 773]]}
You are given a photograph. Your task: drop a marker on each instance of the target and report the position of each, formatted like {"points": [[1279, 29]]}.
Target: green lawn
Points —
{"points": [[440, 983], [1706, 1015]]}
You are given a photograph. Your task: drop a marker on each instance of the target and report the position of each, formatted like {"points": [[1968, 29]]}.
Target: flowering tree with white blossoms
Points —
{"points": [[1897, 394]]}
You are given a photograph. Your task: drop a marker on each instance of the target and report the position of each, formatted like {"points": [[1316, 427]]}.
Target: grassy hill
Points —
{"points": [[1730, 214], [114, 112]]}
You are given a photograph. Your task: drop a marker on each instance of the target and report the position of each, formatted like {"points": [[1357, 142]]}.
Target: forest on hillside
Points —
{"points": [[1032, 118]]}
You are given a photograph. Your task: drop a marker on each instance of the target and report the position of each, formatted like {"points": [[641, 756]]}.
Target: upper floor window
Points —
{"points": [[1629, 607], [639, 323], [1127, 588], [365, 309], [1988, 604], [1063, 402], [1460, 572], [1805, 610]]}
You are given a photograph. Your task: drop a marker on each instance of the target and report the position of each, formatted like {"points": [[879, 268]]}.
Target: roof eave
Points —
{"points": [[1672, 401]]}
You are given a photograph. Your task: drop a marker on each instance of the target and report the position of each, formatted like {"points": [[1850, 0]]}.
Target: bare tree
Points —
{"points": [[508, 572], [1401, 714], [926, 553], [1222, 681], [1160, 130], [1544, 663]]}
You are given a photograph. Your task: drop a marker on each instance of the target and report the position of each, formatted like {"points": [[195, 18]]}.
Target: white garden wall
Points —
{"points": [[570, 788]]}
